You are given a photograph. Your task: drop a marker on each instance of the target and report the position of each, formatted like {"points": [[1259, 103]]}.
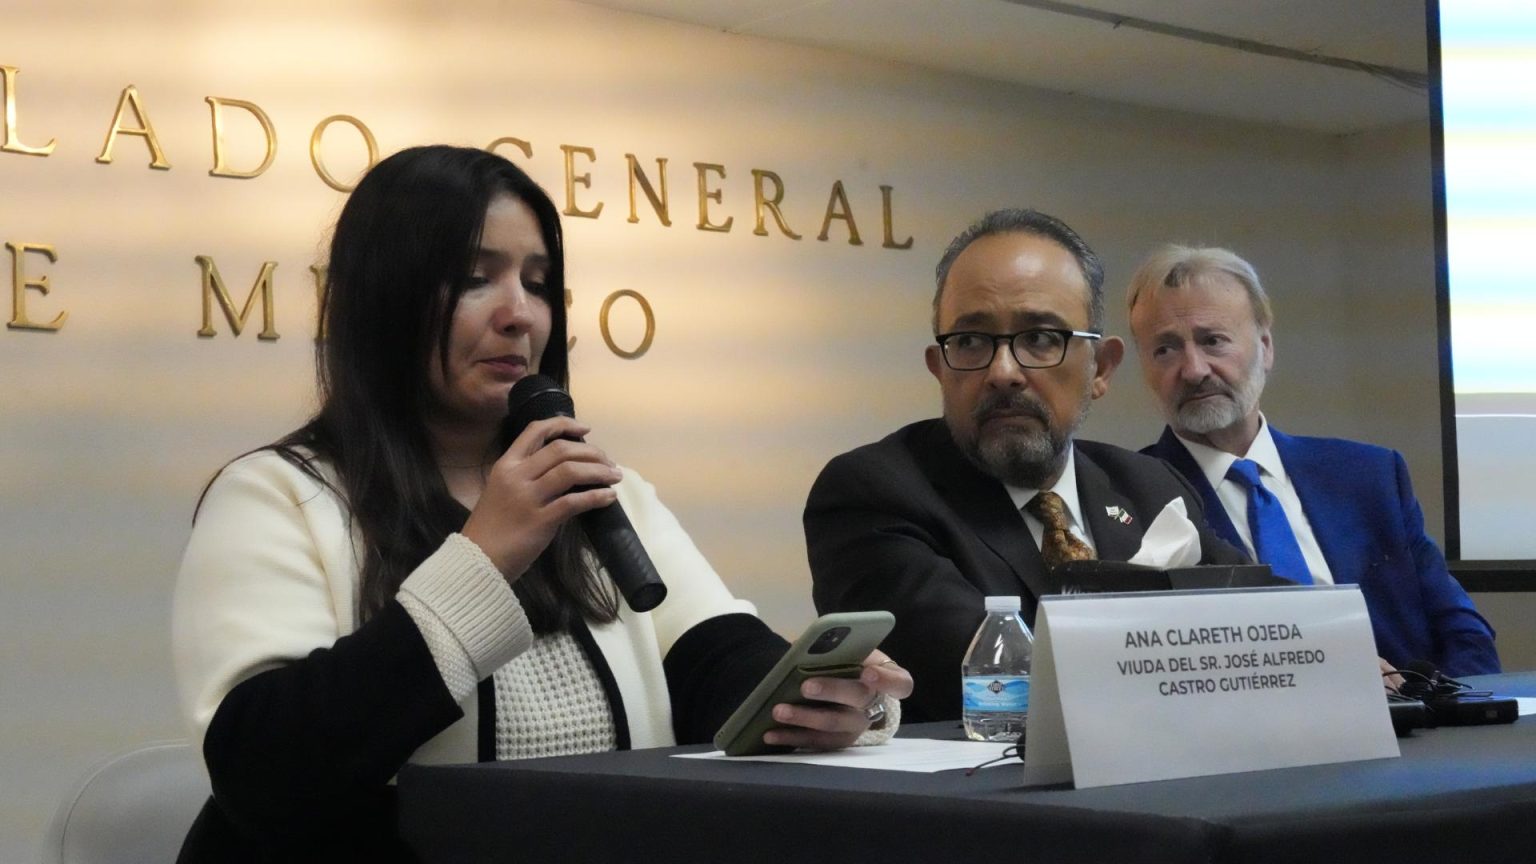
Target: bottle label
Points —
{"points": [[996, 693]]}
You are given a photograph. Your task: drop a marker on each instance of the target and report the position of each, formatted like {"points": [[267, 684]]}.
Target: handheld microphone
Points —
{"points": [[536, 397], [1424, 681]]}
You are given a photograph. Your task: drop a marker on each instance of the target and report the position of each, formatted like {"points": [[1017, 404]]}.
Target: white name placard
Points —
{"points": [[1152, 686]]}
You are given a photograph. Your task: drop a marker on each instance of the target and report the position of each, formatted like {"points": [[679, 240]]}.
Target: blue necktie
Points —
{"points": [[1274, 543]]}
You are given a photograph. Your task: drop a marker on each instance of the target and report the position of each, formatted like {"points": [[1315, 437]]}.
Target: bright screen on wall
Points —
{"points": [[1487, 129]]}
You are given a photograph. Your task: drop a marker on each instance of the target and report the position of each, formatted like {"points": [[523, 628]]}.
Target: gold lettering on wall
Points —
{"points": [[130, 100], [220, 168], [515, 142], [572, 178], [637, 177], [886, 221], [234, 156], [213, 289], [318, 271], [12, 143], [650, 323], [837, 199], [314, 150], [771, 205], [707, 195], [20, 283]]}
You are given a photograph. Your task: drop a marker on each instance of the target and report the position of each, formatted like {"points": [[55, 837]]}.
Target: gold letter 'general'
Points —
{"points": [[572, 178], [519, 143], [885, 213], [707, 195], [836, 199], [658, 202], [771, 205]]}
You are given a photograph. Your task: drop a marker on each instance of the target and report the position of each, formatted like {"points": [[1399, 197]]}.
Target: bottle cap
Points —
{"points": [[1002, 604]]}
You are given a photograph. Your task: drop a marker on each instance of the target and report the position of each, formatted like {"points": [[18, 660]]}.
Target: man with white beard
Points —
{"points": [[1317, 510]]}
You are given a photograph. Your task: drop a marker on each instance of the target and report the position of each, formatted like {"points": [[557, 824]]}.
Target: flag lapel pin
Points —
{"points": [[1115, 512]]}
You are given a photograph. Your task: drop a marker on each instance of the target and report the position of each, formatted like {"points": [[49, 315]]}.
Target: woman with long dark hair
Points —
{"points": [[395, 582]]}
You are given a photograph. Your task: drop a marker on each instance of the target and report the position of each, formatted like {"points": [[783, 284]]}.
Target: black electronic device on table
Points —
{"points": [[1427, 698], [1102, 577], [1407, 714]]}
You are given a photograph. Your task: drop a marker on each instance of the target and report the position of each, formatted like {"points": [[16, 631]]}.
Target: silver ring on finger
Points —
{"points": [[874, 712]]}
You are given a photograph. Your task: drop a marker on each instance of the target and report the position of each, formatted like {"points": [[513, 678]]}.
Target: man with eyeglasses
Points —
{"points": [[1317, 510], [942, 513]]}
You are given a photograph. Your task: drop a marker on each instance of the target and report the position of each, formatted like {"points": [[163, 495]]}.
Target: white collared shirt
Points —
{"points": [[1234, 497], [1066, 487]]}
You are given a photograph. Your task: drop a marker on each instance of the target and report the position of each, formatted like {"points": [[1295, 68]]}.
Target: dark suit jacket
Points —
{"points": [[909, 525], [1362, 509]]}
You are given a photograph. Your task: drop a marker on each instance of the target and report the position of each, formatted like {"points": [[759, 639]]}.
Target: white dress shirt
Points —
{"points": [[1066, 487], [1234, 497]]}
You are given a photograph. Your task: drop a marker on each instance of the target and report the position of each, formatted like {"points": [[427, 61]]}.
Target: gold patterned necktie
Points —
{"points": [[1058, 543]]}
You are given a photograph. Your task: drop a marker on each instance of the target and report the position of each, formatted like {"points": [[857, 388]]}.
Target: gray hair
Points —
{"points": [[1034, 222], [1175, 266]]}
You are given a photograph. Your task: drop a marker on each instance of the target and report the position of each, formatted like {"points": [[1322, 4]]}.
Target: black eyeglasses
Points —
{"points": [[1036, 348]]}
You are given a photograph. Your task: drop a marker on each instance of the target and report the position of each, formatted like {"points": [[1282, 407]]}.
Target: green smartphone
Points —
{"points": [[833, 646]]}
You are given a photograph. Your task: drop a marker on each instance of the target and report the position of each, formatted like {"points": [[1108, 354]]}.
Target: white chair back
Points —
{"points": [[134, 808]]}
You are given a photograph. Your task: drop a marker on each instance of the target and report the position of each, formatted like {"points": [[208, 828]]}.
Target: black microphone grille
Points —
{"points": [[1421, 680], [537, 397]]}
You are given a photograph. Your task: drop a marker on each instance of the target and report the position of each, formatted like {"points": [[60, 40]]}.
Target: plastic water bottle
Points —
{"points": [[995, 674]]}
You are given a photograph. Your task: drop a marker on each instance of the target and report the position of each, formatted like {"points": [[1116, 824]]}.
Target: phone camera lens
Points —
{"points": [[828, 640]]}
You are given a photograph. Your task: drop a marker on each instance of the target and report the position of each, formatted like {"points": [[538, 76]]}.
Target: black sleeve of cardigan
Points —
{"points": [[300, 756], [713, 667]]}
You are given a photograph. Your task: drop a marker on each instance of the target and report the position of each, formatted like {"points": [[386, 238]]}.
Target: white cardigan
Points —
{"points": [[271, 573]]}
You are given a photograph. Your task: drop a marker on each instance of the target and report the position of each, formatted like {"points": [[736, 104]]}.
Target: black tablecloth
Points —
{"points": [[1456, 794]]}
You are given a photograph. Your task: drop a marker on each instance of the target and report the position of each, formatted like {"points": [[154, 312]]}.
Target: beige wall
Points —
{"points": [[1388, 302], [770, 355], [1511, 614]]}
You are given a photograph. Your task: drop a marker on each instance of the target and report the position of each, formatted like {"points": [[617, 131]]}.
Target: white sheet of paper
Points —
{"points": [[1527, 705], [922, 755]]}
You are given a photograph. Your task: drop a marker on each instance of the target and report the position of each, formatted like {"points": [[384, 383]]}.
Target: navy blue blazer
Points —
{"points": [[1368, 524]]}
